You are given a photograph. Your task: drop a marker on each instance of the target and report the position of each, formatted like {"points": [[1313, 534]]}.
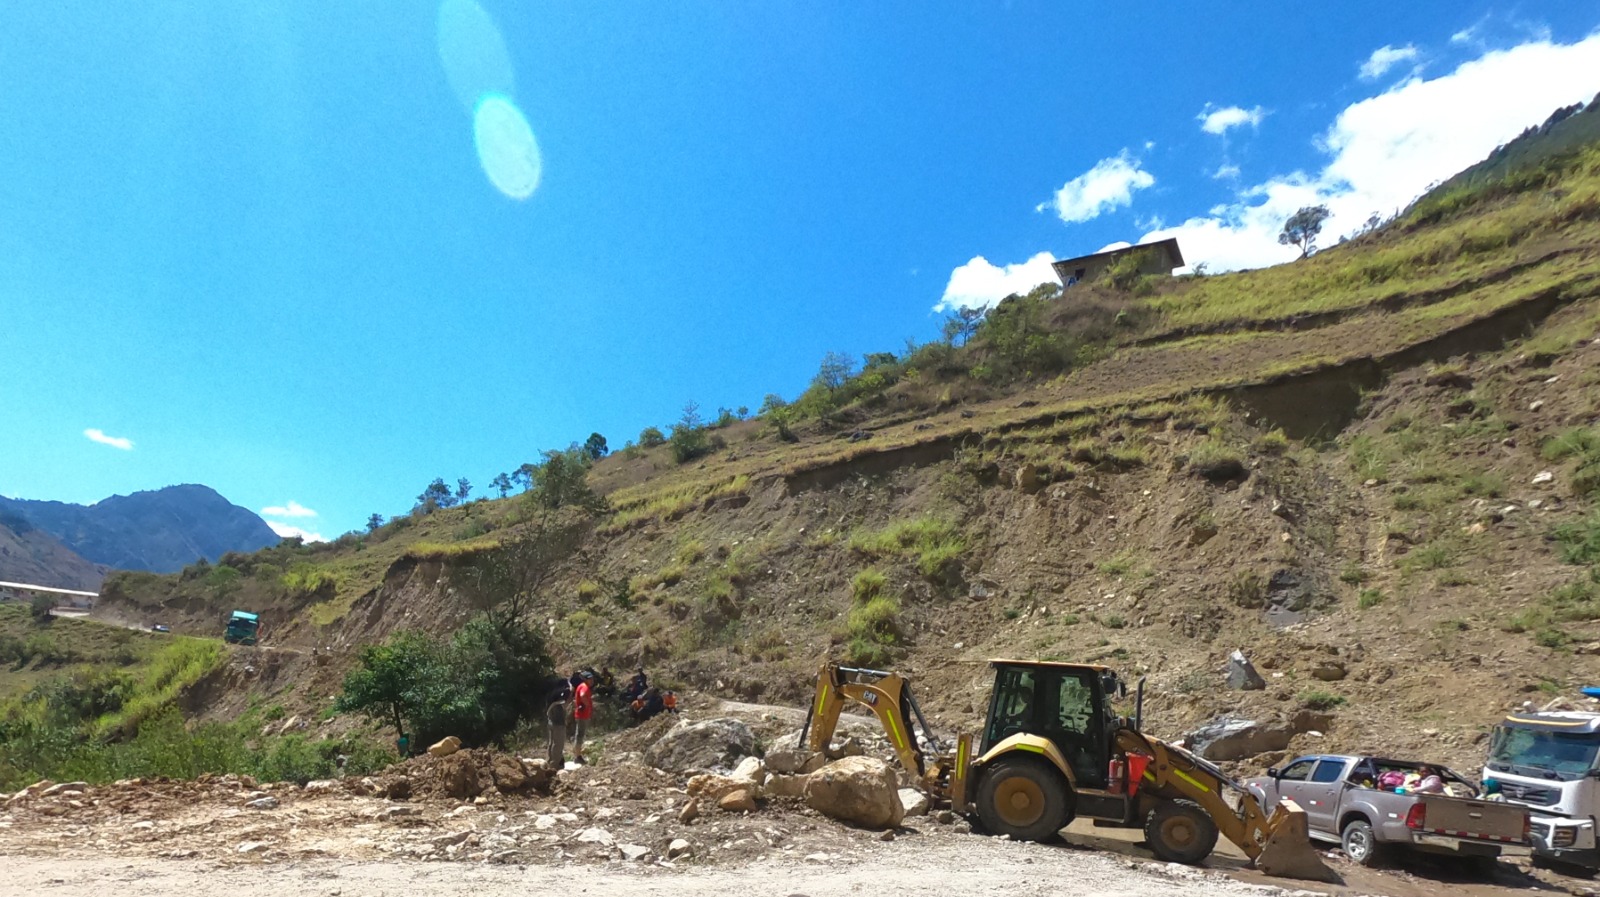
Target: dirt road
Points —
{"points": [[976, 868]]}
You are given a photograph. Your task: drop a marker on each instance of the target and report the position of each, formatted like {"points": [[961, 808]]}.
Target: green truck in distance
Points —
{"points": [[242, 628]]}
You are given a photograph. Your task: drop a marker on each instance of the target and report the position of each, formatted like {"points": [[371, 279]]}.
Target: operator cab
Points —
{"points": [[1067, 703]]}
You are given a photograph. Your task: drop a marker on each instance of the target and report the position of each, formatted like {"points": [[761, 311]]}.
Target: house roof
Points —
{"points": [[1169, 245]]}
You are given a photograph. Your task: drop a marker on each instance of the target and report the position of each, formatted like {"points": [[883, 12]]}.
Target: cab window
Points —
{"points": [[1298, 771], [1328, 771]]}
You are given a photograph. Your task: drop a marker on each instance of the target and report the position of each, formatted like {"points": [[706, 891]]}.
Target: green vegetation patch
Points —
{"points": [[933, 545]]}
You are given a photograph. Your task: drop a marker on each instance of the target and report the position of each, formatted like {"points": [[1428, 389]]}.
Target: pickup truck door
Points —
{"points": [[1291, 781], [1322, 794]]}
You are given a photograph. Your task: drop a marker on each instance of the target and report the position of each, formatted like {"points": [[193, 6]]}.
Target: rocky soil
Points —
{"points": [[715, 818]]}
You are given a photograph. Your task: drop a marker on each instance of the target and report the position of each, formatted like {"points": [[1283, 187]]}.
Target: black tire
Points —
{"points": [[1025, 799], [1178, 831], [1361, 844]]}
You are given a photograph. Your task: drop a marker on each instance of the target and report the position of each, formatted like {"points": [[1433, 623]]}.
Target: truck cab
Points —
{"points": [[243, 628], [1547, 763]]}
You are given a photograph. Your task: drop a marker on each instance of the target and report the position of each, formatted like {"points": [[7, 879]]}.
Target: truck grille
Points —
{"points": [[1531, 794]]}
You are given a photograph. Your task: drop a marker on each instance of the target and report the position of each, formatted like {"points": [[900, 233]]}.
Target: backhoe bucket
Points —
{"points": [[1287, 852]]}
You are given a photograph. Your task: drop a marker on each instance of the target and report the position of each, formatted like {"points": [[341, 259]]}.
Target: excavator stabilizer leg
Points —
{"points": [[1287, 852]]}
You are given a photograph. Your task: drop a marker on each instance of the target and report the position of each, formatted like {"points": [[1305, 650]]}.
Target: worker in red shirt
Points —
{"points": [[582, 711]]}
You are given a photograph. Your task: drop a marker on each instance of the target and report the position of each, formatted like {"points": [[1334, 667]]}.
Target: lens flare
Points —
{"points": [[507, 149], [474, 55]]}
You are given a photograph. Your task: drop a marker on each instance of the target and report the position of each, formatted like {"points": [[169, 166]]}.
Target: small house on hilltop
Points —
{"points": [[1153, 258]]}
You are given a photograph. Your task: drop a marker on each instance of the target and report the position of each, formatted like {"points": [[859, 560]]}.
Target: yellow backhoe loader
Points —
{"points": [[1053, 750]]}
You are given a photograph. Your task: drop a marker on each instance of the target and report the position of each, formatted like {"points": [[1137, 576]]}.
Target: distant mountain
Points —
{"points": [[31, 555], [162, 531]]}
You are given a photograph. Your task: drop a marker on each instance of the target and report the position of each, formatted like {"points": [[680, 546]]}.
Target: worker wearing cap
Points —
{"points": [[582, 711]]}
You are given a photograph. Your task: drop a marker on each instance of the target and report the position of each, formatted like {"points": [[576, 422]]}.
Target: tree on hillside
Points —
{"points": [[41, 606], [836, 369], [1302, 228], [393, 682], [501, 484], [523, 476], [961, 325], [689, 439], [561, 481], [650, 437], [596, 446], [463, 489], [373, 522], [504, 582], [437, 495]]}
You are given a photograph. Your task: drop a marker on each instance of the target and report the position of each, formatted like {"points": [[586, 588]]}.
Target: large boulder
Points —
{"points": [[445, 746], [1231, 738], [860, 790], [1242, 675], [508, 774], [793, 761], [713, 744], [458, 776]]}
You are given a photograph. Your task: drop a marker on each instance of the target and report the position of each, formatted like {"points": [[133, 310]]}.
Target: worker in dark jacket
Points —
{"points": [[556, 715]]}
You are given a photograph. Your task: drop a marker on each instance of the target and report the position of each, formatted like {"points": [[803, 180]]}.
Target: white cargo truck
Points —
{"points": [[1547, 762]]}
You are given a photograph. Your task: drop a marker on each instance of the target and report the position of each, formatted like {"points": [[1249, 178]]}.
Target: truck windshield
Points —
{"points": [[1535, 752]]}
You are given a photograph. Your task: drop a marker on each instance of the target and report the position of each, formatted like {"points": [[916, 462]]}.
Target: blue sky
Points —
{"points": [[323, 253]]}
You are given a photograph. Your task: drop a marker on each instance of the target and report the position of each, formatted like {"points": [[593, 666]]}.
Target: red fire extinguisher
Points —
{"points": [[1116, 775]]}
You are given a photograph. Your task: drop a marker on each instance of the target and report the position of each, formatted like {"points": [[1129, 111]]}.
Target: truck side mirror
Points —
{"points": [[1272, 772]]}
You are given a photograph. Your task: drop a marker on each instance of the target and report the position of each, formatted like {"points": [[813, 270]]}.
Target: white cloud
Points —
{"points": [[1221, 121], [1386, 150], [1109, 185], [979, 284], [97, 435], [1227, 172], [1118, 244], [292, 509], [289, 532], [1465, 35], [1385, 58]]}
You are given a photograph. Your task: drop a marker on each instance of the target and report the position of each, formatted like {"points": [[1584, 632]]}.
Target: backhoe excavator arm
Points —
{"points": [[886, 694], [1279, 843]]}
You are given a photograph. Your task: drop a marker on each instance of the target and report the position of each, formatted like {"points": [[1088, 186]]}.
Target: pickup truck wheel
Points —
{"points": [[1360, 844], [1024, 799], [1178, 831]]}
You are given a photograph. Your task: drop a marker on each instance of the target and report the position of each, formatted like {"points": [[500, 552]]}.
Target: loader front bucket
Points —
{"points": [[1287, 852]]}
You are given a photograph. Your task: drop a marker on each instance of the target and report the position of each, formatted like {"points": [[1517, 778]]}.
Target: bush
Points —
{"points": [[1369, 599], [650, 437], [867, 585], [1274, 442], [1317, 699], [41, 606], [934, 546], [1580, 542], [1354, 574]]}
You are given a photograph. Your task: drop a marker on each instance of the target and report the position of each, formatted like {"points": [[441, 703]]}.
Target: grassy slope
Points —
{"points": [[749, 597]]}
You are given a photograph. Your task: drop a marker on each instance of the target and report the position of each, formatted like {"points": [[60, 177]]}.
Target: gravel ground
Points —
{"points": [[975, 868]]}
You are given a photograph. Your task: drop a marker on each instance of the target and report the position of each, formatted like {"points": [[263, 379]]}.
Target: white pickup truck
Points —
{"points": [[1343, 805]]}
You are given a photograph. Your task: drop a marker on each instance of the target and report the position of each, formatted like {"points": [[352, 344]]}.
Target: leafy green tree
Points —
{"points": [[463, 489], [398, 682], [501, 484], [437, 495], [771, 403], [523, 476], [836, 369], [561, 480], [961, 325], [689, 440], [650, 437], [596, 446], [41, 606], [743, 411], [373, 522], [1302, 228]]}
